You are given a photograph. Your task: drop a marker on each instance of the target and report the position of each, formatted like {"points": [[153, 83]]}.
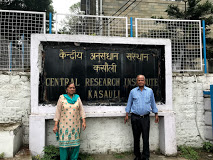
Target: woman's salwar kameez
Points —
{"points": [[68, 114]]}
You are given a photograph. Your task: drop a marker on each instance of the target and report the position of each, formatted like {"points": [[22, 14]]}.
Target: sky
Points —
{"points": [[62, 6]]}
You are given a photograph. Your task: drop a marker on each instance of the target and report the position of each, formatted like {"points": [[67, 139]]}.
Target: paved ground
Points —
{"points": [[129, 157], [24, 154], [105, 157]]}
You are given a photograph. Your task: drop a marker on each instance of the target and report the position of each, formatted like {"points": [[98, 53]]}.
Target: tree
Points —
{"points": [[195, 10], [75, 8], [69, 22], [28, 5]]}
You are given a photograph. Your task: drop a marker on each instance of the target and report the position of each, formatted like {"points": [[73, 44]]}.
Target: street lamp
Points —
{"points": [[185, 1]]}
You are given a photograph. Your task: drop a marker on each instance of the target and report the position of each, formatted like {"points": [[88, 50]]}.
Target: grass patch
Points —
{"points": [[188, 152], [85, 156], [121, 155]]}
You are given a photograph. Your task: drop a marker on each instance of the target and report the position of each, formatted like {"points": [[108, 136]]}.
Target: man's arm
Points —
{"points": [[156, 118], [126, 118], [128, 107], [154, 108]]}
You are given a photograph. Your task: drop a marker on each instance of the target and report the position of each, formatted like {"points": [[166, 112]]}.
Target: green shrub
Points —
{"points": [[2, 155], [188, 153], [51, 153], [207, 146], [36, 157]]}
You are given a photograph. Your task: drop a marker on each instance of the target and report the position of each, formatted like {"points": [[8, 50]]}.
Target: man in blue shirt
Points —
{"points": [[140, 103]]}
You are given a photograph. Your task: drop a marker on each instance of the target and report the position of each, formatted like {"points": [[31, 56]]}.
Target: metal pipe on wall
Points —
{"points": [[97, 9], [101, 22], [204, 47], [22, 49], [131, 27], [101, 7], [50, 23]]}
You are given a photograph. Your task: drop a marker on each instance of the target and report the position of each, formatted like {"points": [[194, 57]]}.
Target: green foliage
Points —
{"points": [[175, 12], [28, 5], [207, 146], [118, 155], [69, 22], [195, 11], [75, 8], [2, 155], [121, 155], [188, 153], [85, 156], [36, 157], [50, 153]]}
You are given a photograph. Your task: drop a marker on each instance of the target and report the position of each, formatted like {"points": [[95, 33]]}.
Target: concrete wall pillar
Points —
{"points": [[167, 131], [37, 134]]}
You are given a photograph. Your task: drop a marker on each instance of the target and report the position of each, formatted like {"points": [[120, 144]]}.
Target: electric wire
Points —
{"points": [[122, 12], [101, 26], [133, 8], [127, 7], [121, 7]]}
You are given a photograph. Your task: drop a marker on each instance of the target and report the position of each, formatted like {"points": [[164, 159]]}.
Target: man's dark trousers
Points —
{"points": [[141, 124]]}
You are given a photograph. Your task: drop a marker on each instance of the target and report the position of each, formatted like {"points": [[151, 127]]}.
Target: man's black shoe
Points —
{"points": [[145, 158], [137, 158]]}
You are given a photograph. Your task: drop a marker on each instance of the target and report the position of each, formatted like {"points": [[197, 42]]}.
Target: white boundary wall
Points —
{"points": [[41, 113], [15, 100], [15, 107]]}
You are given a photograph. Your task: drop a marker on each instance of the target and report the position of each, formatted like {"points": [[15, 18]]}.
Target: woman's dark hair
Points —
{"points": [[69, 84]]}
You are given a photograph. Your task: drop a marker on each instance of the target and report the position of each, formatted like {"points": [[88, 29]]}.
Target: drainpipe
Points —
{"points": [[204, 46], [131, 27], [22, 49], [97, 9], [50, 23], [101, 9], [10, 47], [101, 22]]}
